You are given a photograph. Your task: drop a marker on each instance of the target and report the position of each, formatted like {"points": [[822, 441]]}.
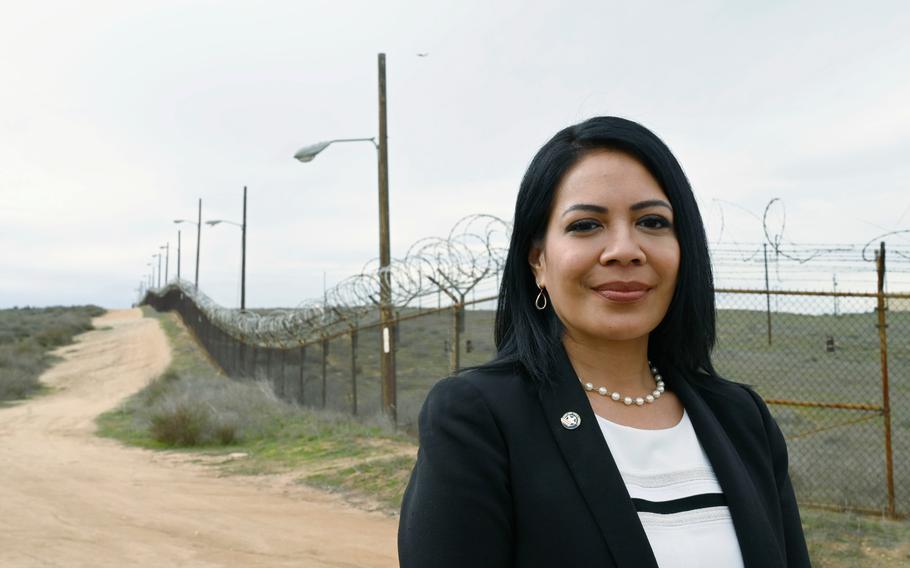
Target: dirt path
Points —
{"points": [[68, 498]]}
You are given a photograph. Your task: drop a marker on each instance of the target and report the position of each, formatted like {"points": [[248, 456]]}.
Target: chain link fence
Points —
{"points": [[817, 358], [818, 361]]}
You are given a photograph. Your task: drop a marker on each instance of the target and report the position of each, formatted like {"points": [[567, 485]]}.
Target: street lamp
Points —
{"points": [[306, 154], [167, 259], [178, 256], [198, 224], [242, 226], [158, 256], [151, 274]]}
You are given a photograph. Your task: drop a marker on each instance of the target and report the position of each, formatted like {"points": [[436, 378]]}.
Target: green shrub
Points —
{"points": [[16, 384], [183, 424], [225, 433], [159, 387], [55, 336], [26, 336], [206, 410]]}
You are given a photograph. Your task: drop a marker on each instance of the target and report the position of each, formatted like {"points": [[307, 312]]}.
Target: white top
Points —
{"points": [[677, 496]]}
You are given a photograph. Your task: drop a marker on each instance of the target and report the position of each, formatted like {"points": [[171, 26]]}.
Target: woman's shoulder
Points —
{"points": [[735, 403], [493, 387], [727, 396], [488, 380], [718, 386]]}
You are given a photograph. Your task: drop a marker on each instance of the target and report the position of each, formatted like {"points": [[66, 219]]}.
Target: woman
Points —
{"points": [[601, 434]]}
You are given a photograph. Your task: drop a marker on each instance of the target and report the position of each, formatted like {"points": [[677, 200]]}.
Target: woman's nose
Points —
{"points": [[622, 247]]}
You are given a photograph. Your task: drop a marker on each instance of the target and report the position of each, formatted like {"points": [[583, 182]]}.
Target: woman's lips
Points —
{"points": [[622, 296]]}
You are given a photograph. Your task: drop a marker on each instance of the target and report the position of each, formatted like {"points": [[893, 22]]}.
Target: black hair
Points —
{"points": [[528, 339]]}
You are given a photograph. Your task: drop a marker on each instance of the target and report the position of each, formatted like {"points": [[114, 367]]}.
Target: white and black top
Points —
{"points": [[679, 501]]}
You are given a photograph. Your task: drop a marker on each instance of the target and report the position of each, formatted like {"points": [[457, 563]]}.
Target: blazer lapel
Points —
{"points": [[753, 529], [594, 469]]}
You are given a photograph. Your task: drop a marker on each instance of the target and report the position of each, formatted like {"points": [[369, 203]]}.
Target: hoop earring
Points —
{"points": [[537, 301]]}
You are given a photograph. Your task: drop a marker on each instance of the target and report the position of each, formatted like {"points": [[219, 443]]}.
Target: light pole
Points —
{"points": [[167, 259], [242, 226], [151, 274], [158, 256], [178, 256], [198, 224], [306, 154]]}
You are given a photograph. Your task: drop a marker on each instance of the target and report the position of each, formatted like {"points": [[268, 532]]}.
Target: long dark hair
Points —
{"points": [[528, 339]]}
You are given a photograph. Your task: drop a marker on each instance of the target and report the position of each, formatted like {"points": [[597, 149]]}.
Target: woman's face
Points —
{"points": [[609, 258]]}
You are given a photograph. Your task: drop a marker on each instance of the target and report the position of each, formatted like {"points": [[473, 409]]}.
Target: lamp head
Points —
{"points": [[307, 153]]}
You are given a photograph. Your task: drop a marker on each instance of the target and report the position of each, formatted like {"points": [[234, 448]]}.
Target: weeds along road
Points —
{"points": [[69, 498]]}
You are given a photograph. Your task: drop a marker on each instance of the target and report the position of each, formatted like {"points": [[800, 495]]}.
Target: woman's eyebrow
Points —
{"points": [[584, 207], [601, 209], [650, 203]]}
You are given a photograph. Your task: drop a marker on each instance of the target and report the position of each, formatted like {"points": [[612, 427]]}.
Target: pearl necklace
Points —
{"points": [[628, 400]]}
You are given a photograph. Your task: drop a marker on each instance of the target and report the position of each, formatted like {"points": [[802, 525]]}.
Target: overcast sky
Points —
{"points": [[115, 117]]}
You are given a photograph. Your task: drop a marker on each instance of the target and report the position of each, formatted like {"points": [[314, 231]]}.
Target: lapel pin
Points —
{"points": [[570, 420]]}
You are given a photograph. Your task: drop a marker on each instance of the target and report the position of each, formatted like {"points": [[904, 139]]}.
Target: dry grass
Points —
{"points": [[27, 335]]}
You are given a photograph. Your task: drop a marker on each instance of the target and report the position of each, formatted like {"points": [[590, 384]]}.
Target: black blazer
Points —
{"points": [[500, 482]]}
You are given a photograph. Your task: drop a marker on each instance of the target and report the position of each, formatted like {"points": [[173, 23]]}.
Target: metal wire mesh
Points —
{"points": [[821, 360], [822, 375]]}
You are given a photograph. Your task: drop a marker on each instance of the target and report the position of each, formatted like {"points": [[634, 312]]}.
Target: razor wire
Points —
{"points": [[473, 251]]}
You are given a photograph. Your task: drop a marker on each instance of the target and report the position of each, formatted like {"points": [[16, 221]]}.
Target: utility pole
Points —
{"points": [[388, 325], [835, 297], [198, 237], [167, 261], [385, 280], [767, 291], [178, 255], [243, 256]]}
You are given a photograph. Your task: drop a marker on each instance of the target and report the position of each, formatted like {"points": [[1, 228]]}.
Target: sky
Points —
{"points": [[116, 117]]}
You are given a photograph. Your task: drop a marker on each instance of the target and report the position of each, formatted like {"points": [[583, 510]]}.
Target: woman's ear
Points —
{"points": [[538, 262]]}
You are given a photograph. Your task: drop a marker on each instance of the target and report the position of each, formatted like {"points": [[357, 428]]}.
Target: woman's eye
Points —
{"points": [[583, 226], [655, 222]]}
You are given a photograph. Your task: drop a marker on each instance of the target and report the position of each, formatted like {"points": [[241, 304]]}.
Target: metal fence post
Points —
{"points": [[767, 291], [284, 353], [886, 396], [457, 326], [325, 355], [235, 348], [301, 396], [354, 370], [394, 359], [245, 358]]}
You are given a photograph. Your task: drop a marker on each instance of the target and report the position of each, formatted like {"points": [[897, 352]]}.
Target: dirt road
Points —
{"points": [[68, 498]]}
